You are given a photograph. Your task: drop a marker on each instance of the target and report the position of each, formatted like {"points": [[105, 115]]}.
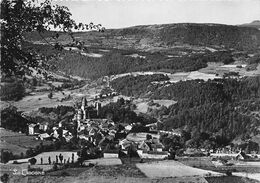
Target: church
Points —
{"points": [[87, 112]]}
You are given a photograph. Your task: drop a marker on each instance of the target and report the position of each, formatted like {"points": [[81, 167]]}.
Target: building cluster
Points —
{"points": [[103, 133], [44, 132]]}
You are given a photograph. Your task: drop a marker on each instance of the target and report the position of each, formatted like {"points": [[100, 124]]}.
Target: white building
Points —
{"points": [[31, 130]]}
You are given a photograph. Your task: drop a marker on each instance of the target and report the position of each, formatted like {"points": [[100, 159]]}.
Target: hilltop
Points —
{"points": [[165, 36], [255, 24]]}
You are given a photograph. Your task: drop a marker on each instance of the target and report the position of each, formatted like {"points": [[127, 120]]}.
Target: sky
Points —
{"points": [[125, 13]]}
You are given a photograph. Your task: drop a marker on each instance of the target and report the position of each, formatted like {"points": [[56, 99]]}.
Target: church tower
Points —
{"points": [[84, 107]]}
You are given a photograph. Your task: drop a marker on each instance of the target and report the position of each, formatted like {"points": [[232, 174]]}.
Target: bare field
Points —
{"points": [[172, 169], [104, 161]]}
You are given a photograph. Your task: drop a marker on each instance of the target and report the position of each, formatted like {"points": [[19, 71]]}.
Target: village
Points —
{"points": [[100, 132], [114, 139]]}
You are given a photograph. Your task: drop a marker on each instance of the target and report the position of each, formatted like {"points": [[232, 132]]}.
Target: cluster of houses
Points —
{"points": [[43, 132], [101, 132], [147, 145]]}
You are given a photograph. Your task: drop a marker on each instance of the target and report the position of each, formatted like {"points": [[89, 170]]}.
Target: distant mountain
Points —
{"points": [[147, 37], [254, 24]]}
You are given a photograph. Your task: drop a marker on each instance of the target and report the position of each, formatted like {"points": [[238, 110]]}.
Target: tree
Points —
{"points": [[50, 95], [148, 137], [19, 17], [11, 119], [12, 91], [5, 178], [32, 161], [5, 156], [83, 155]]}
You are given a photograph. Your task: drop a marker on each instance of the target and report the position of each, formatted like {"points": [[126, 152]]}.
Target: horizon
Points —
{"points": [[123, 14]]}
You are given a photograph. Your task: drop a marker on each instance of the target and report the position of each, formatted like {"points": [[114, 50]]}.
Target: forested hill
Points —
{"points": [[168, 35], [197, 34], [226, 107]]}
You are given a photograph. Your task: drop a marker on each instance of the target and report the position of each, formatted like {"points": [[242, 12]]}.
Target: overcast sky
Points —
{"points": [[125, 13]]}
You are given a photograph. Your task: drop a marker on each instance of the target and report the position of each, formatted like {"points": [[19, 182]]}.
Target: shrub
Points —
{"points": [[50, 95], [229, 173], [55, 167]]}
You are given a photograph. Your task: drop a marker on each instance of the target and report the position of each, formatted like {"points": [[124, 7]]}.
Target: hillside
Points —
{"points": [[149, 37], [255, 24], [226, 107]]}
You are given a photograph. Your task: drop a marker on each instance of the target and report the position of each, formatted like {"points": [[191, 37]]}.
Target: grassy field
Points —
{"points": [[142, 104], [172, 169], [17, 150], [18, 142], [220, 69]]}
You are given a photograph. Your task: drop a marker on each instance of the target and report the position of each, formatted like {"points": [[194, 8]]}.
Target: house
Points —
{"points": [[112, 132], [85, 137], [153, 155], [173, 132], [68, 138], [55, 134], [125, 143], [43, 127], [144, 146], [193, 152], [92, 131], [110, 154], [33, 129], [242, 156], [157, 147], [128, 127], [44, 136], [152, 126]]}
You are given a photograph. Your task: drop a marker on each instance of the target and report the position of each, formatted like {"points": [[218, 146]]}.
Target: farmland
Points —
{"points": [[172, 169], [18, 143]]}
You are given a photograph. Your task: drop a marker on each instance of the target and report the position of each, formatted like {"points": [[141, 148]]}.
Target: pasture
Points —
{"points": [[172, 169], [18, 143]]}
